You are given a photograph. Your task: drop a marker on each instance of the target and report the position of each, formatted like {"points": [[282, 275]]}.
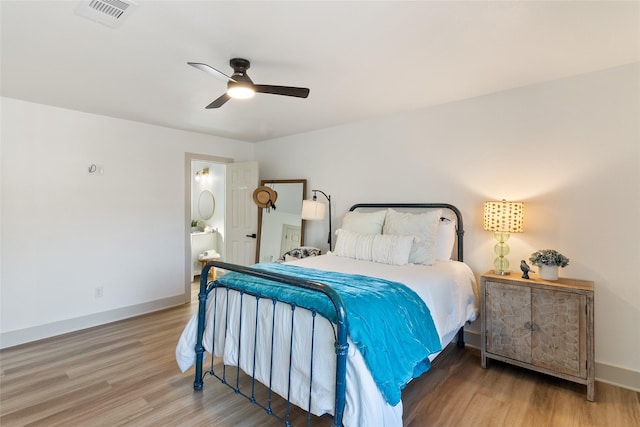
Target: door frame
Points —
{"points": [[188, 158]]}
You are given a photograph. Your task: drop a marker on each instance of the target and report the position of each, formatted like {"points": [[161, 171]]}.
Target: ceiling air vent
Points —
{"points": [[108, 12]]}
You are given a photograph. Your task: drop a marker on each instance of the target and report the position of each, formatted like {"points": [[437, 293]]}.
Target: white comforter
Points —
{"points": [[446, 287]]}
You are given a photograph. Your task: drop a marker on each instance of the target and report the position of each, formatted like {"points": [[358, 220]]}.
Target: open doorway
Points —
{"points": [[227, 203], [205, 199]]}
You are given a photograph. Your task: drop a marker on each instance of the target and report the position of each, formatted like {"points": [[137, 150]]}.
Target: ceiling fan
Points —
{"points": [[240, 86]]}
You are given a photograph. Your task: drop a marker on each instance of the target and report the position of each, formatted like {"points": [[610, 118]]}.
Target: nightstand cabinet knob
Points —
{"points": [[531, 327], [527, 326]]}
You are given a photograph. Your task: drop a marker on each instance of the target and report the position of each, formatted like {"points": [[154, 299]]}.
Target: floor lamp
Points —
{"points": [[313, 210]]}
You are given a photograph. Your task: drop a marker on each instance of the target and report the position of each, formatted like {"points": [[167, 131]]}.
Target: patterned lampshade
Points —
{"points": [[504, 217]]}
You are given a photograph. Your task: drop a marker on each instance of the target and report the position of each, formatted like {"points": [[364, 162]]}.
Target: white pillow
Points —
{"points": [[423, 226], [385, 249], [391, 249], [353, 245], [364, 222], [445, 239]]}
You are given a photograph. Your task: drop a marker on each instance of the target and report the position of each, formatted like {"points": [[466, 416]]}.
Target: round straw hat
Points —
{"points": [[265, 197]]}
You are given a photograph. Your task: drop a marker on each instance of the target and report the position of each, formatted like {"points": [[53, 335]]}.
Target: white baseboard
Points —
{"points": [[35, 333], [615, 375], [610, 374], [472, 339]]}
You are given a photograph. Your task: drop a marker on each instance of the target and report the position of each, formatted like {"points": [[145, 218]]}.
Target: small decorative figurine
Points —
{"points": [[525, 269]]}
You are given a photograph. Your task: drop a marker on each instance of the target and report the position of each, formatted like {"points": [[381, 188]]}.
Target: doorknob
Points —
{"points": [[253, 236]]}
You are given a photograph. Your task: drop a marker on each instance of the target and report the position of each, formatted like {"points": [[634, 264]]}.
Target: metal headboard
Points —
{"points": [[456, 211]]}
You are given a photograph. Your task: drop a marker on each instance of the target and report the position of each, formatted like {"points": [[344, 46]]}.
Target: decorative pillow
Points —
{"points": [[353, 245], [445, 239], [385, 249], [391, 249], [364, 222], [423, 226]]}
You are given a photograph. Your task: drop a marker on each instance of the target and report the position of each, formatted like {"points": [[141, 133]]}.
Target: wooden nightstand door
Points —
{"points": [[541, 327], [508, 312], [559, 339]]}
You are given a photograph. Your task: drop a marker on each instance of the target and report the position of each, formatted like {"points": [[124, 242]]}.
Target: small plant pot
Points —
{"points": [[549, 272]]}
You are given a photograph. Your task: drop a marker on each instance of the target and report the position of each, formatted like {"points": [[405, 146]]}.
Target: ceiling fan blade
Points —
{"points": [[219, 102], [299, 92], [209, 69]]}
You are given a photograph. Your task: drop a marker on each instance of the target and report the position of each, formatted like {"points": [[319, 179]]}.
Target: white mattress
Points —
{"points": [[446, 287]]}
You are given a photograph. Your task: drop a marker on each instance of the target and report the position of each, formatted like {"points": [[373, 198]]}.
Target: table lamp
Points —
{"points": [[503, 218]]}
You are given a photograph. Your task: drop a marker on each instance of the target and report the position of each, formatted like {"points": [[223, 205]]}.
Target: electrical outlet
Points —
{"points": [[99, 292]]}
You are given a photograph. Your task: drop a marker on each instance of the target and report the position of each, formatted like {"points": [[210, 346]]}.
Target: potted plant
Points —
{"points": [[549, 260]]}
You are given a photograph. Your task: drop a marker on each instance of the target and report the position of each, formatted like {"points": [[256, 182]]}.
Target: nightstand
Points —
{"points": [[539, 325]]}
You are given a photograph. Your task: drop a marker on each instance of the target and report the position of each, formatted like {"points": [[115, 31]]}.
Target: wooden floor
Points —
{"points": [[125, 373]]}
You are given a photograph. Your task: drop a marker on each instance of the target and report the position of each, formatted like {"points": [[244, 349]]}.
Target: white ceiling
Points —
{"points": [[360, 59]]}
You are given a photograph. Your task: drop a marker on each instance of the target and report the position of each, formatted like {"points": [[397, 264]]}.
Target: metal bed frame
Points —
{"points": [[341, 326]]}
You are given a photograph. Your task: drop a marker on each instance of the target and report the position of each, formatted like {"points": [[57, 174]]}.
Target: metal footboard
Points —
{"points": [[341, 345]]}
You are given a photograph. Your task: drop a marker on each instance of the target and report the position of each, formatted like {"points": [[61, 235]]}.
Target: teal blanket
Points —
{"points": [[388, 322]]}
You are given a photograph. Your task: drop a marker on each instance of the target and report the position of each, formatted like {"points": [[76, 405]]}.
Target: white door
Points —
{"points": [[241, 216], [290, 237]]}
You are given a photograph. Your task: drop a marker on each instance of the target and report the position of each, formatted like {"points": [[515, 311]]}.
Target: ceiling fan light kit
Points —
{"points": [[239, 91], [240, 86]]}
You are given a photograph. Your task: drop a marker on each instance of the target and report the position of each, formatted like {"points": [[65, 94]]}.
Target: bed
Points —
{"points": [[332, 334]]}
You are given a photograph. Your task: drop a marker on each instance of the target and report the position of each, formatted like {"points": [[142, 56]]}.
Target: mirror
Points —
{"points": [[281, 229], [206, 204]]}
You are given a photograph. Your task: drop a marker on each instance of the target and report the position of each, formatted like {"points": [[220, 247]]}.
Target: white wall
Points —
{"points": [[570, 149], [64, 232]]}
